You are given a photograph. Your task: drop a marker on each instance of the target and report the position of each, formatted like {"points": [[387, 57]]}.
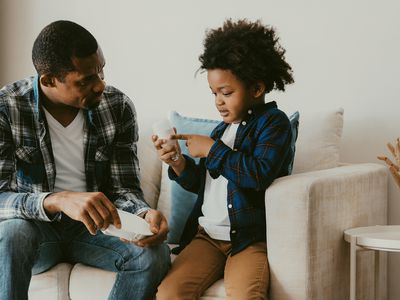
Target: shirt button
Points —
{"points": [[230, 205], [235, 149], [244, 123], [249, 111], [233, 231]]}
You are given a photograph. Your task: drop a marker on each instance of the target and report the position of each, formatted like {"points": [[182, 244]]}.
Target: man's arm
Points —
{"points": [[12, 203], [125, 177], [124, 164]]}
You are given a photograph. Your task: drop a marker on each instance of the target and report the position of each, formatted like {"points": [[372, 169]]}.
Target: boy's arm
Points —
{"points": [[190, 177], [258, 169]]}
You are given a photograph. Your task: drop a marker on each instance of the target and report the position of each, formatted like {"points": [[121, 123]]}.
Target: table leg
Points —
{"points": [[353, 261], [377, 276]]}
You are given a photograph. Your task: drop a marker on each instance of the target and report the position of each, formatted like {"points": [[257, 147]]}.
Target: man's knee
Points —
{"points": [[154, 261], [18, 235]]}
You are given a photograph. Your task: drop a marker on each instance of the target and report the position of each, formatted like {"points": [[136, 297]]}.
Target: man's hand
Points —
{"points": [[394, 168], [198, 145], [93, 209], [158, 225]]}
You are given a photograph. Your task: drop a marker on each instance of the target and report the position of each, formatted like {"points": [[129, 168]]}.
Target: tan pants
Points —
{"points": [[205, 260]]}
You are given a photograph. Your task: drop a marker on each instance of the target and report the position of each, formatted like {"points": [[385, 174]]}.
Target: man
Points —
{"points": [[67, 161]]}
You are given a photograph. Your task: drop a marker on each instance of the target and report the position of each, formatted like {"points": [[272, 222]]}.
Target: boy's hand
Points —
{"points": [[394, 168], [198, 145], [169, 153]]}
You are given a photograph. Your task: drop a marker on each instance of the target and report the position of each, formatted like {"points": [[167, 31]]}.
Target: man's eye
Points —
{"points": [[227, 94], [82, 83]]}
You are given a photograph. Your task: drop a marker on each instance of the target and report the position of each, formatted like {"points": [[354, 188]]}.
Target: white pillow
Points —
{"points": [[318, 142]]}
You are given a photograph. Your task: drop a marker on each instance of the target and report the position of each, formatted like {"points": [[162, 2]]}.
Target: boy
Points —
{"points": [[225, 234]]}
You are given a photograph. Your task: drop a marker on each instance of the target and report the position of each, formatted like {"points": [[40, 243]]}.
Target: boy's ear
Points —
{"points": [[258, 89], [47, 80]]}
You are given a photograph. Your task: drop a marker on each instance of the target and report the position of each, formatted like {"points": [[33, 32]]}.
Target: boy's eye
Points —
{"points": [[227, 93]]}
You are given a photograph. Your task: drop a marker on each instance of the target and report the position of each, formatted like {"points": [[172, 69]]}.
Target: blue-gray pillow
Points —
{"points": [[294, 122], [183, 201]]}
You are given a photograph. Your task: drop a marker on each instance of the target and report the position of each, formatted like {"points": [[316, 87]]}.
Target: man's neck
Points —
{"points": [[64, 114]]}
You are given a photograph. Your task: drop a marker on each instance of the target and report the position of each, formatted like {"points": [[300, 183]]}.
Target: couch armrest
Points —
{"points": [[306, 216]]}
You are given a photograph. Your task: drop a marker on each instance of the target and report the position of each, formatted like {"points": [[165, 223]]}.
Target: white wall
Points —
{"points": [[343, 53]]}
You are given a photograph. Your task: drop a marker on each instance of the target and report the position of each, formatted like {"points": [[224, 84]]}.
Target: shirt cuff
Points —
{"points": [[142, 212], [42, 212]]}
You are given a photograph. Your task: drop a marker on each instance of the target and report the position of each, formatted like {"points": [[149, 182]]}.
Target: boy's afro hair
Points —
{"points": [[250, 51]]}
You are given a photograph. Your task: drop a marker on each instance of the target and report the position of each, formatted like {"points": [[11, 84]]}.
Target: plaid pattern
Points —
{"points": [[260, 154], [27, 168]]}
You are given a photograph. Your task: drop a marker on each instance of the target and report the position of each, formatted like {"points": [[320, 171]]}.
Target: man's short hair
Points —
{"points": [[57, 43]]}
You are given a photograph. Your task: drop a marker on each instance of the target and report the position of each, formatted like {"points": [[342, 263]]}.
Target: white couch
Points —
{"points": [[307, 213]]}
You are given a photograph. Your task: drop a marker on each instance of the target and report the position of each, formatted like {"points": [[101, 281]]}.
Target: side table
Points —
{"points": [[378, 238]]}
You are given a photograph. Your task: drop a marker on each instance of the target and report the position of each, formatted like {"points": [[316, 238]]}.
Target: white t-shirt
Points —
{"points": [[215, 219], [67, 144]]}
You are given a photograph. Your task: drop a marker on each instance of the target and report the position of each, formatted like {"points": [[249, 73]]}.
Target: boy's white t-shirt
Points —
{"points": [[215, 219], [67, 144]]}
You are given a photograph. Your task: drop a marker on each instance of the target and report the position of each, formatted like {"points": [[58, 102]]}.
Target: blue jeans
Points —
{"points": [[30, 247]]}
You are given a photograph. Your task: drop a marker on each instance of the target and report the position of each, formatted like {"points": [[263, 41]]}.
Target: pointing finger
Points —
{"points": [[180, 136]]}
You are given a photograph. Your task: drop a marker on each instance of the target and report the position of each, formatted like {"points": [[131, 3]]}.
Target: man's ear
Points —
{"points": [[258, 89], [47, 80]]}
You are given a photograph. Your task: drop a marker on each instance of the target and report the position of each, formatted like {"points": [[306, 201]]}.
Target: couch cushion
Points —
{"points": [[175, 202], [150, 168], [84, 280], [52, 284], [317, 146]]}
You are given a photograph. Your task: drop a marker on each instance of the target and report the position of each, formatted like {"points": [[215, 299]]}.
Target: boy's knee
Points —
{"points": [[18, 234], [169, 290]]}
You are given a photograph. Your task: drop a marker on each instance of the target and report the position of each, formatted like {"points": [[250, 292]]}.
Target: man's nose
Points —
{"points": [[99, 86]]}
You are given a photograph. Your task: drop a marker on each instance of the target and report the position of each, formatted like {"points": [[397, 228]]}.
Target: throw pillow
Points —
{"points": [[175, 202], [294, 122], [317, 146]]}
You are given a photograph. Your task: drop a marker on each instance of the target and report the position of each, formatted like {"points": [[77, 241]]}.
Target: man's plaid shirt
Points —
{"points": [[27, 168]]}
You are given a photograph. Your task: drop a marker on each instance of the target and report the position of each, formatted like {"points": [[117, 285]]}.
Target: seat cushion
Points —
{"points": [[90, 283], [52, 284]]}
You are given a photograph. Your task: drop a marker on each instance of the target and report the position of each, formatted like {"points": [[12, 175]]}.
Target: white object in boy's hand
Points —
{"points": [[133, 227], [163, 129]]}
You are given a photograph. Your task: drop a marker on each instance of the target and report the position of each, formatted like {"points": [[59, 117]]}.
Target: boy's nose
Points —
{"points": [[218, 100]]}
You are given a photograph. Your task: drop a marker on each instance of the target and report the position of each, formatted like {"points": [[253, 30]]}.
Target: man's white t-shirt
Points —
{"points": [[67, 144], [215, 219]]}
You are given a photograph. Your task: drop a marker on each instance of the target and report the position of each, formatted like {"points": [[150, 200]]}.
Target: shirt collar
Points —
{"points": [[252, 112], [36, 93], [258, 109]]}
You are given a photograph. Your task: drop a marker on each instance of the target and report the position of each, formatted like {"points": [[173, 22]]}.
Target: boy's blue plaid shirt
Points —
{"points": [[27, 168], [260, 154]]}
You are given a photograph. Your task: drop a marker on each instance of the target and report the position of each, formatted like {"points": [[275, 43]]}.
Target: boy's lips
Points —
{"points": [[224, 113]]}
